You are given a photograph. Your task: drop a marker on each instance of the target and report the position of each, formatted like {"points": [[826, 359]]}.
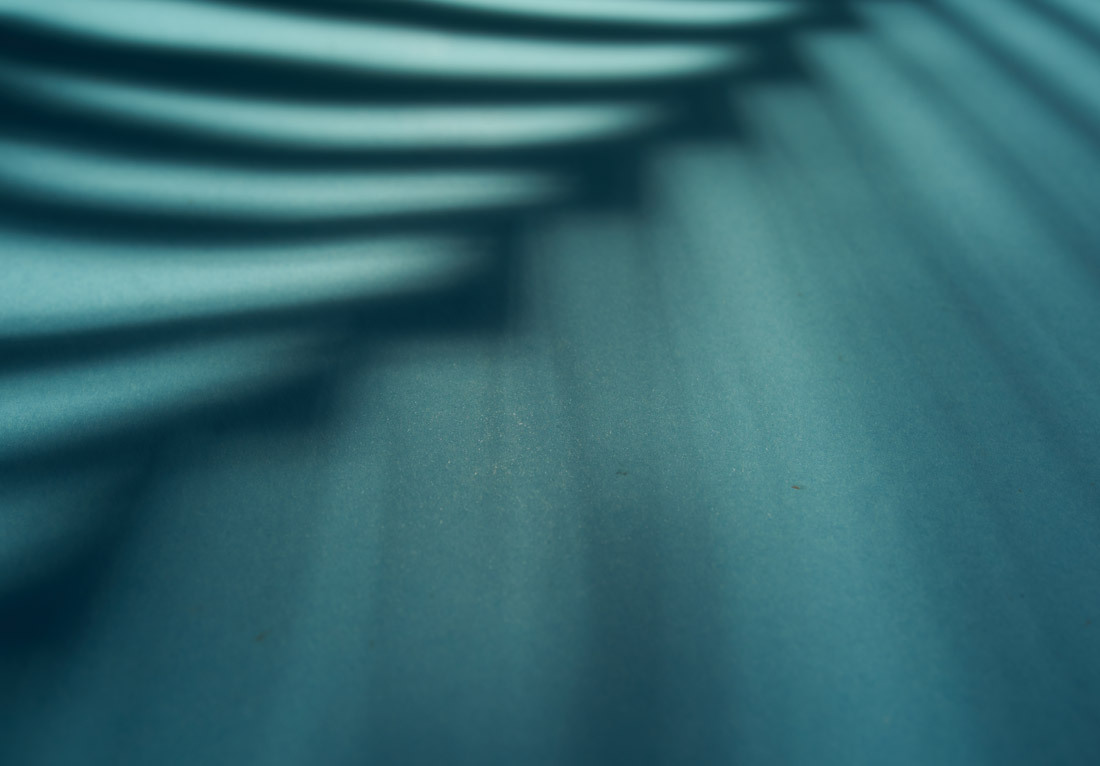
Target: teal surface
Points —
{"points": [[787, 453]]}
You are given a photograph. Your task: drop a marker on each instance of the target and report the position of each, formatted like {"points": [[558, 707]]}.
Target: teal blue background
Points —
{"points": [[793, 459]]}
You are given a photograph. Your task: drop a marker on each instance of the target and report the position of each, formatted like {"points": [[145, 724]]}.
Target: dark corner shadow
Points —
{"points": [[49, 607]]}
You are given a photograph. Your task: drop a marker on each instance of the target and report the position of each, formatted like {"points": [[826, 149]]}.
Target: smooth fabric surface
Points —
{"points": [[793, 459]]}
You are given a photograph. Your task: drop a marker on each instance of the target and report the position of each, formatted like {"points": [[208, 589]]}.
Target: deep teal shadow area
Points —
{"points": [[474, 382]]}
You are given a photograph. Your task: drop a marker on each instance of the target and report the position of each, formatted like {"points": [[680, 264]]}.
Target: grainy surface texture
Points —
{"points": [[789, 457]]}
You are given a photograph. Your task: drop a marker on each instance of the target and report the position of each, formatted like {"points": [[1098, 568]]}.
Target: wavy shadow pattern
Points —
{"points": [[205, 206]]}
